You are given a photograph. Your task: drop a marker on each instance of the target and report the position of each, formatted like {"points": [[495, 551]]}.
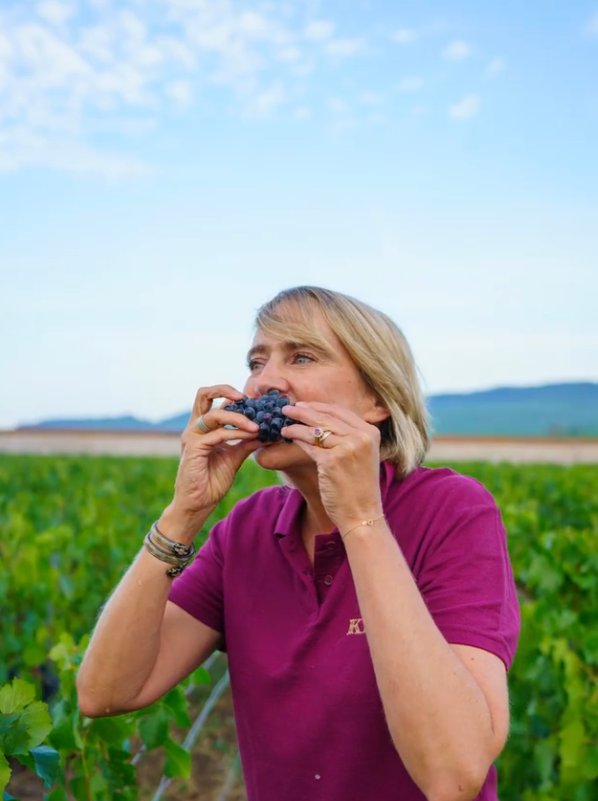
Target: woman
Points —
{"points": [[367, 607]]}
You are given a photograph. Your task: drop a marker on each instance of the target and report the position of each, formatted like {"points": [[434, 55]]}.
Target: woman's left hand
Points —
{"points": [[348, 459]]}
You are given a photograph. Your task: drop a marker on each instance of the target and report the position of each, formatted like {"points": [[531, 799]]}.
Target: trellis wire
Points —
{"points": [[231, 777], [195, 729]]}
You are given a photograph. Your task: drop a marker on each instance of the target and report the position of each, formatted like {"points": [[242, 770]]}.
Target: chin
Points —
{"points": [[278, 456]]}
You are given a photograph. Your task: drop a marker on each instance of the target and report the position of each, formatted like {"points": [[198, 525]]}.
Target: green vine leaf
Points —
{"points": [[5, 771], [38, 721], [47, 764], [15, 697], [178, 761]]}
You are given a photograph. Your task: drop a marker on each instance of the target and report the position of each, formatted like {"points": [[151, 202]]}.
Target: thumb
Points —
{"points": [[242, 450]]}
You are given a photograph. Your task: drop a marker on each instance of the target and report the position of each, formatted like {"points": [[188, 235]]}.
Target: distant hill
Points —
{"points": [[550, 410]]}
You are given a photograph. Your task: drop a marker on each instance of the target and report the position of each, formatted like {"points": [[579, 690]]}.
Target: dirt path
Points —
{"points": [[444, 448]]}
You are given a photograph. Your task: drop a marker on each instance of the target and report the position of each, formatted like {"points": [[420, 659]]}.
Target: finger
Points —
{"points": [[216, 418], [310, 449], [305, 435], [217, 436], [241, 449], [314, 418], [333, 410], [207, 395]]}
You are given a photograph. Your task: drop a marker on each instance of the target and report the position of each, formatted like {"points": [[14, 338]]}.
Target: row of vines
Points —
{"points": [[69, 526]]}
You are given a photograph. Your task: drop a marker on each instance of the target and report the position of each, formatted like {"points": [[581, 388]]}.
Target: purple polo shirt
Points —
{"points": [[309, 717]]}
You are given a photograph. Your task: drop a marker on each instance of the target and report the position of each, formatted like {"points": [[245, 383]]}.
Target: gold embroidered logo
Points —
{"points": [[356, 626]]}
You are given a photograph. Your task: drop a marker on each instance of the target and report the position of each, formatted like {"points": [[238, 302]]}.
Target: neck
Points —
{"points": [[315, 520]]}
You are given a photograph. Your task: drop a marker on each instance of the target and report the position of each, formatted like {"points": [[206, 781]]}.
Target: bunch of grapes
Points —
{"points": [[266, 411]]}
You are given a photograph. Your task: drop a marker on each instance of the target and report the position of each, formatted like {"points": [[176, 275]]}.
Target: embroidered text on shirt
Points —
{"points": [[356, 626]]}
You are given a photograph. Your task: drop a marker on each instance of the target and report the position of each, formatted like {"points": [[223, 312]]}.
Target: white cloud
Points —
{"points": [[496, 66], [371, 98], [54, 12], [303, 113], [6, 49], [135, 29], [411, 84], [99, 43], [591, 27], [289, 54], [467, 107], [338, 106], [20, 148], [72, 68], [254, 25], [319, 29], [344, 47], [404, 35], [180, 91], [456, 51], [345, 123], [302, 69], [265, 102]]}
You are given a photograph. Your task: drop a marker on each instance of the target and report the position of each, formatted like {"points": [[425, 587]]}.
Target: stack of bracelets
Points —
{"points": [[166, 550]]}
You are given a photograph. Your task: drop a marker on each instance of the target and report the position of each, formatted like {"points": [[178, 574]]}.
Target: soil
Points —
{"points": [[212, 759], [445, 448]]}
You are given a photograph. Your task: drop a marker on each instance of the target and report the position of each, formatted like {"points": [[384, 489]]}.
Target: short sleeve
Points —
{"points": [[465, 574], [199, 589]]}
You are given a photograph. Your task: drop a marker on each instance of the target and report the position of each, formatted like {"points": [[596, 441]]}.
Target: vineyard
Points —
{"points": [[70, 526]]}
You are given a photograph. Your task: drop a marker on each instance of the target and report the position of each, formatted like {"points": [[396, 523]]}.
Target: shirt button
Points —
{"points": [[331, 546], [328, 580]]}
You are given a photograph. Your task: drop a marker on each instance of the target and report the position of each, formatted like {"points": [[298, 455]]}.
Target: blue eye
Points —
{"points": [[303, 356]]}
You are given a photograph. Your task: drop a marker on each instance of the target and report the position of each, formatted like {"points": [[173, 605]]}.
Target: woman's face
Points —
{"points": [[306, 373]]}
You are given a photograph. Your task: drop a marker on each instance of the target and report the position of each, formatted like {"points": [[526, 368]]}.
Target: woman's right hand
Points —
{"points": [[209, 463]]}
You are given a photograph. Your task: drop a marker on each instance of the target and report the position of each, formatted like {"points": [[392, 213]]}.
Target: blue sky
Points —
{"points": [[166, 166]]}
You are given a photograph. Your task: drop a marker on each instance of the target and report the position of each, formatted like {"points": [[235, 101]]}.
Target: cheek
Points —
{"points": [[351, 391]]}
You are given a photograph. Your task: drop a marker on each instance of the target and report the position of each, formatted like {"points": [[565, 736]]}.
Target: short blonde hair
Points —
{"points": [[380, 352]]}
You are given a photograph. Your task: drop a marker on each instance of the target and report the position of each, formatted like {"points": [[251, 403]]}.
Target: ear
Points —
{"points": [[377, 412]]}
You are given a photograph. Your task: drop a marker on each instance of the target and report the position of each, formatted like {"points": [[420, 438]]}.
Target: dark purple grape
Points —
{"points": [[266, 411]]}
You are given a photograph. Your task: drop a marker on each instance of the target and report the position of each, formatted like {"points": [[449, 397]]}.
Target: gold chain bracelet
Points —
{"points": [[369, 522]]}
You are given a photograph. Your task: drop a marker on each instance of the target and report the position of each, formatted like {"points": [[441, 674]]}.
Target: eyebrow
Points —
{"points": [[288, 346]]}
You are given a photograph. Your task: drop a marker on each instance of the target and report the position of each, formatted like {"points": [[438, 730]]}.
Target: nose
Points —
{"points": [[271, 376]]}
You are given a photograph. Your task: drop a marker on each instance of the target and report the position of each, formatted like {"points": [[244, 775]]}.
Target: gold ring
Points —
{"points": [[320, 435], [202, 426]]}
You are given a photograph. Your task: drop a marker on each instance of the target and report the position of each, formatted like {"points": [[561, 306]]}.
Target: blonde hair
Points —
{"points": [[380, 352]]}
